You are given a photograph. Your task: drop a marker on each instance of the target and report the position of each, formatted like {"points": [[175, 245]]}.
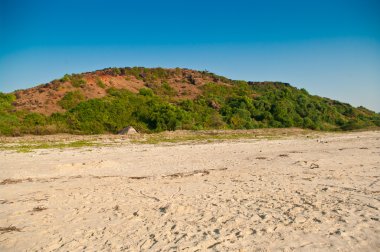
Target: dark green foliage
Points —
{"points": [[353, 125], [9, 125], [239, 106], [9, 122], [71, 99], [6, 101], [34, 119], [146, 92], [15, 123], [122, 108]]}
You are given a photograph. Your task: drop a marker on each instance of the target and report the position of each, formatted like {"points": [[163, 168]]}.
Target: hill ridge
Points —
{"points": [[157, 99], [44, 98]]}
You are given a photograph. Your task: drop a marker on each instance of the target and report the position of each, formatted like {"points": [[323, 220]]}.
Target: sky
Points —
{"points": [[330, 48]]}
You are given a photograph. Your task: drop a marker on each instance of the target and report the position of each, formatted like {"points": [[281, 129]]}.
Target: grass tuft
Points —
{"points": [[31, 146], [9, 229]]}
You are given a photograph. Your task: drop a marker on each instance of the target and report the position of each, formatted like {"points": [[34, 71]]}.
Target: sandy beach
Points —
{"points": [[297, 193]]}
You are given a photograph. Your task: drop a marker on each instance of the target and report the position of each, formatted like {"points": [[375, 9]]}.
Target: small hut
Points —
{"points": [[128, 131]]}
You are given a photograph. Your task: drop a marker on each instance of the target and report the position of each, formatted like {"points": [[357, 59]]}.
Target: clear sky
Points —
{"points": [[329, 47]]}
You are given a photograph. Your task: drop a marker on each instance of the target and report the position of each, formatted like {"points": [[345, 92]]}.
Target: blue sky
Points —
{"points": [[331, 48]]}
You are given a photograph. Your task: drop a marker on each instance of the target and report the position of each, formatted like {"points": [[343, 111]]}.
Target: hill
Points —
{"points": [[157, 99]]}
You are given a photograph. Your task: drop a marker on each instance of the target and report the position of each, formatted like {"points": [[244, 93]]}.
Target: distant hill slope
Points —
{"points": [[157, 99], [45, 98]]}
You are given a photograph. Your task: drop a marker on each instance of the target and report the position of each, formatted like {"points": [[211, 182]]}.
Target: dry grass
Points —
{"points": [[14, 181], [283, 155], [39, 208], [220, 135], [9, 229], [29, 146], [31, 143]]}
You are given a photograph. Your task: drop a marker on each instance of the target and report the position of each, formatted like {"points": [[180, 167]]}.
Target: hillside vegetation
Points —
{"points": [[154, 100]]}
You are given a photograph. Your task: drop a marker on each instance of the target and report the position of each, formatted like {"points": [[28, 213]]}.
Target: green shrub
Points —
{"points": [[166, 89], [71, 99], [116, 71], [146, 92], [353, 125], [100, 83], [76, 80], [65, 78], [34, 119]]}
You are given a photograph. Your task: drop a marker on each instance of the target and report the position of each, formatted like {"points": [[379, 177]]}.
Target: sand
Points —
{"points": [[298, 193]]}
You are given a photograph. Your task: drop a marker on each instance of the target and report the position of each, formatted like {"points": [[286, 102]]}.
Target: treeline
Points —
{"points": [[239, 105]]}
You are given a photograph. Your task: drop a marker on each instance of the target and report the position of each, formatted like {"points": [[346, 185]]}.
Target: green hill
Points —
{"points": [[157, 99]]}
